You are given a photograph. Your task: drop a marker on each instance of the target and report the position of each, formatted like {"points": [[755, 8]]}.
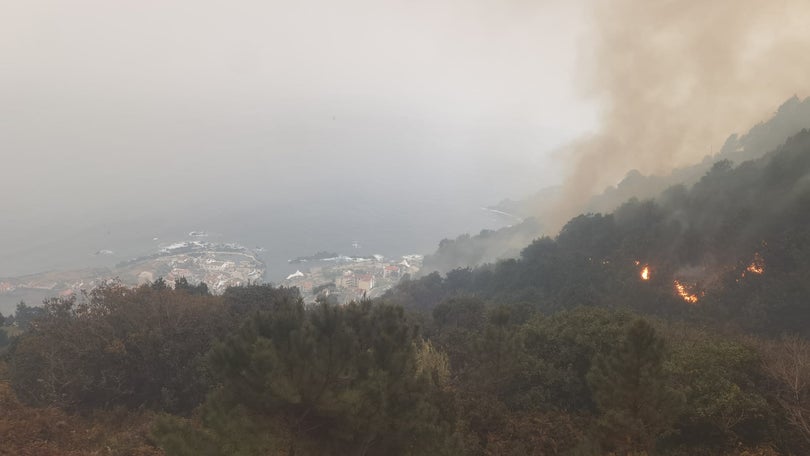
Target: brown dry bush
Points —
{"points": [[49, 431]]}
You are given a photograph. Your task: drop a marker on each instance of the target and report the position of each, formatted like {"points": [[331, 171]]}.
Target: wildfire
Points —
{"points": [[645, 273], [757, 266], [684, 293]]}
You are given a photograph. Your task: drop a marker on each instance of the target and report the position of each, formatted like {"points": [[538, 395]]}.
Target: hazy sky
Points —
{"points": [[111, 111], [106, 103]]}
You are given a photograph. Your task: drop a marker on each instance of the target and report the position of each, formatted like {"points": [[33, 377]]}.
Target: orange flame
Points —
{"points": [[757, 266], [645, 273], [682, 291]]}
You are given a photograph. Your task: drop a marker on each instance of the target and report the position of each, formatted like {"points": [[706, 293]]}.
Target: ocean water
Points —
{"points": [[348, 229], [284, 229]]}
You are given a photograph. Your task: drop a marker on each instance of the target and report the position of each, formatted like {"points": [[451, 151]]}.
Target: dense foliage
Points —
{"points": [[674, 326], [488, 246], [469, 377], [737, 242]]}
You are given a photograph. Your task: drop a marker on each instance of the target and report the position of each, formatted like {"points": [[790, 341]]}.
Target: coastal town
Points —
{"points": [[219, 266], [337, 277], [344, 278]]}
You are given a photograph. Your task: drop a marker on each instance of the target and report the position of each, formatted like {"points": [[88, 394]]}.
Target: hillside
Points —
{"points": [[672, 326], [737, 243], [791, 117]]}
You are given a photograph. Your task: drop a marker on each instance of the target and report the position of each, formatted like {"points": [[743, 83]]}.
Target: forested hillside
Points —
{"points": [[735, 247], [671, 326], [791, 117]]}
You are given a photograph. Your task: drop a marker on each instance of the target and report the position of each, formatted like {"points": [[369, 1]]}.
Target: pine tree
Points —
{"points": [[630, 389], [325, 380]]}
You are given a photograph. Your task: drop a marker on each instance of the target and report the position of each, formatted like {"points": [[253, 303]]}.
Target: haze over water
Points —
{"points": [[282, 231]]}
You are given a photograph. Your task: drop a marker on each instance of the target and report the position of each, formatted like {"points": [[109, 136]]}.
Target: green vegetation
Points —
{"points": [[675, 326], [157, 370], [324, 380], [738, 241], [489, 246], [636, 406]]}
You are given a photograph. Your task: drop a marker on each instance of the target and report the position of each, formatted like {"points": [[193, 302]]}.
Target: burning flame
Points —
{"points": [[757, 266], [682, 291], [645, 273]]}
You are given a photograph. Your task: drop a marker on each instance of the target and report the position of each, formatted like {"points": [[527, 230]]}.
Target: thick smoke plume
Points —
{"points": [[675, 78]]}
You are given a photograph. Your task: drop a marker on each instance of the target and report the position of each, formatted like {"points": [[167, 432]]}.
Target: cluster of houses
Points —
{"points": [[219, 270], [348, 279], [219, 266]]}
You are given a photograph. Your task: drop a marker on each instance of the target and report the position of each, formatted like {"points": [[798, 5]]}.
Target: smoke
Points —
{"points": [[675, 78]]}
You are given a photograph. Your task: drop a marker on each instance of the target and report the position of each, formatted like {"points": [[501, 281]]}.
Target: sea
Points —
{"points": [[277, 232]]}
